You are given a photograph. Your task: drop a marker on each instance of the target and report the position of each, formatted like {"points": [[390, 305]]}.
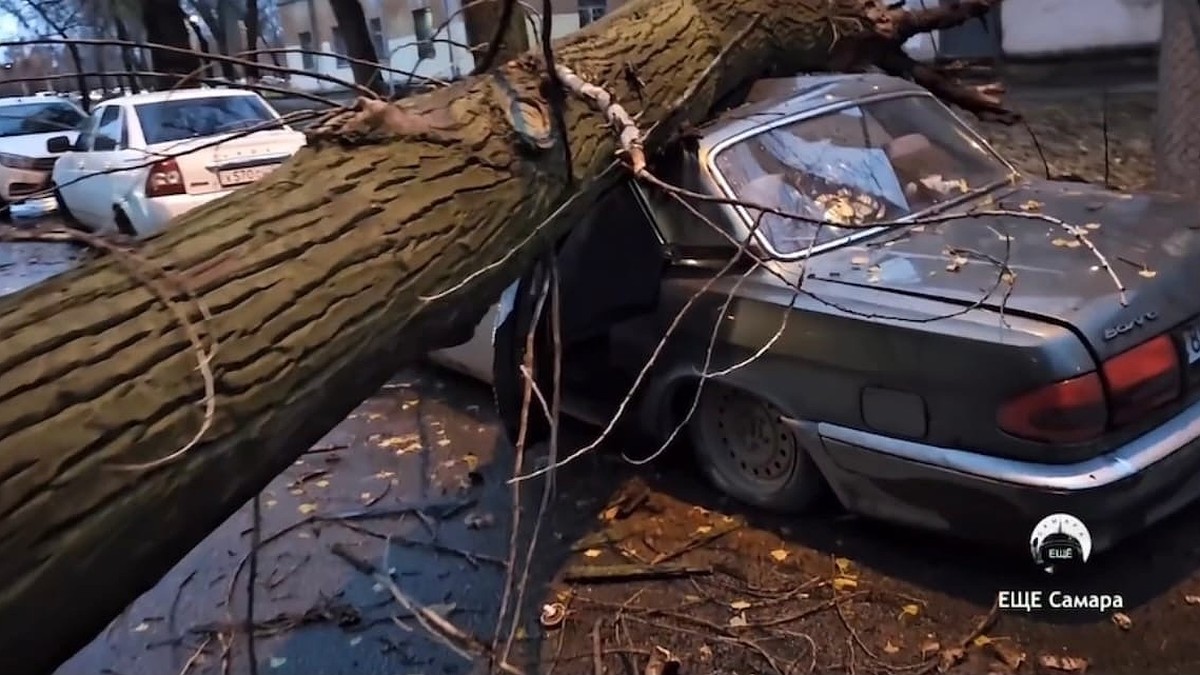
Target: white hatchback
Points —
{"points": [[147, 158]]}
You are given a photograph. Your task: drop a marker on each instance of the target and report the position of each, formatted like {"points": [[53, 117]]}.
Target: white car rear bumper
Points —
{"points": [[150, 214]]}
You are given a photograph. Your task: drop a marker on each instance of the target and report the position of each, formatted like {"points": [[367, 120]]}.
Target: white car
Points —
{"points": [[144, 159], [25, 125]]}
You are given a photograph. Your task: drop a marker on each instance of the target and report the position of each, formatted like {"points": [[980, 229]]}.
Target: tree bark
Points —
{"points": [[481, 19], [352, 23], [322, 280], [166, 24], [1177, 137]]}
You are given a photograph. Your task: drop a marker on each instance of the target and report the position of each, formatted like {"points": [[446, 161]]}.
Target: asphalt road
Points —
{"points": [[827, 593]]}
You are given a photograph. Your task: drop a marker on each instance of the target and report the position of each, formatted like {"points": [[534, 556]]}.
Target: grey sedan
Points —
{"points": [[1013, 348]]}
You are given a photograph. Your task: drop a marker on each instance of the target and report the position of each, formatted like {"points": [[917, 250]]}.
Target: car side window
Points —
{"points": [[108, 131], [83, 142]]}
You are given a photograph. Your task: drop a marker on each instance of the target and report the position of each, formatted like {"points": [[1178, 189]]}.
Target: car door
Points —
{"points": [[68, 170], [98, 180], [609, 269]]}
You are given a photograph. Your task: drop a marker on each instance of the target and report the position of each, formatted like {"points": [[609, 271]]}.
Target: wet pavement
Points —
{"points": [[414, 482]]}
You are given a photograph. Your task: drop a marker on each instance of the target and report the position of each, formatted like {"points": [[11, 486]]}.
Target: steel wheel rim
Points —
{"points": [[748, 444]]}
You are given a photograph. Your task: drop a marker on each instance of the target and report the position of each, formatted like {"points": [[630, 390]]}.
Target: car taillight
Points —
{"points": [[1077, 410], [1143, 378], [164, 179], [1070, 411]]}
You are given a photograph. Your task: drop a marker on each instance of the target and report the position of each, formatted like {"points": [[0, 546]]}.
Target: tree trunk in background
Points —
{"points": [[228, 14], [202, 43], [481, 20], [167, 24], [252, 31], [126, 58], [1177, 137], [322, 279], [352, 24]]}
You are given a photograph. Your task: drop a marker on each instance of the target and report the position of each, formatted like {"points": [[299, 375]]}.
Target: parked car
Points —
{"points": [[25, 125], [205, 143], [910, 379]]}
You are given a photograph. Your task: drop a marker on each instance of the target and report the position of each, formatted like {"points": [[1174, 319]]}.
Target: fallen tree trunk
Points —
{"points": [[318, 280]]}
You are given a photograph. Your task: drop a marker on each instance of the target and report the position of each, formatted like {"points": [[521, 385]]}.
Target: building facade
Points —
{"points": [[416, 37], [425, 37]]}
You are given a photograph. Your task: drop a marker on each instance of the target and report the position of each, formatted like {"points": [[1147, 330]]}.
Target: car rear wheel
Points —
{"points": [[123, 223], [746, 450]]}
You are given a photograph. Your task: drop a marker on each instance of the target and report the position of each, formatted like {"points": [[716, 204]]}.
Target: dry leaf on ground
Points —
{"points": [[1064, 664]]}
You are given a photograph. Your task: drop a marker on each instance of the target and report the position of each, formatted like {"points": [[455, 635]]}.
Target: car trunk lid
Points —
{"points": [[1133, 274], [215, 163]]}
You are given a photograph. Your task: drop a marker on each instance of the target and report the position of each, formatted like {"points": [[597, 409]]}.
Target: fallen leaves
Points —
{"points": [[1064, 664], [592, 553], [306, 509], [779, 555], [1192, 599], [739, 605], [1122, 621], [910, 610], [844, 583]]}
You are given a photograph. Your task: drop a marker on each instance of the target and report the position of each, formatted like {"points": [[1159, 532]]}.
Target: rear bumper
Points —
{"points": [[1001, 500], [149, 215]]}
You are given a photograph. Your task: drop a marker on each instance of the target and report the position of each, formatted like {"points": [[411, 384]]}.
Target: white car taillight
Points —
{"points": [[165, 179]]}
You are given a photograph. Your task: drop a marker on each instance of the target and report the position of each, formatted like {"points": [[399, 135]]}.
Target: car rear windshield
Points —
{"points": [[866, 163], [184, 118], [21, 119]]}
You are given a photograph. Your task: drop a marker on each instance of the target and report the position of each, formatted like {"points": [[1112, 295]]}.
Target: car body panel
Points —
{"points": [[1056, 276]]}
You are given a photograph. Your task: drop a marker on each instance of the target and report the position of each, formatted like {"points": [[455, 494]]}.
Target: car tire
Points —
{"points": [[746, 451], [5, 213], [124, 226]]}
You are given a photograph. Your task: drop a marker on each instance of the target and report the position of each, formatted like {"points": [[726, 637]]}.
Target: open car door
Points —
{"points": [[607, 269]]}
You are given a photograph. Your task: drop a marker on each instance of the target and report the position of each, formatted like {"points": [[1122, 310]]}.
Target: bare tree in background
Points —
{"points": [[356, 38], [1177, 133], [252, 33], [216, 16], [167, 24], [481, 19], [60, 17]]}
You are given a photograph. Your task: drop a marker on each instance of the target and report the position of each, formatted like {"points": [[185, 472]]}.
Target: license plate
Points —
{"points": [[243, 176], [1191, 342]]}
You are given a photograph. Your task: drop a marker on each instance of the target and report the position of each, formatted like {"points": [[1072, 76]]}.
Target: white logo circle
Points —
{"points": [[1067, 537]]}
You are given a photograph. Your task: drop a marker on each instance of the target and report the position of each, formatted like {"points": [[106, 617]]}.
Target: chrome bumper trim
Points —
{"points": [[1106, 469]]}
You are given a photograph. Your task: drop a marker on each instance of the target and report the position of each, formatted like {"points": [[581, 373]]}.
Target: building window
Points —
{"points": [[423, 28], [380, 44], [339, 47], [591, 10], [307, 57]]}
